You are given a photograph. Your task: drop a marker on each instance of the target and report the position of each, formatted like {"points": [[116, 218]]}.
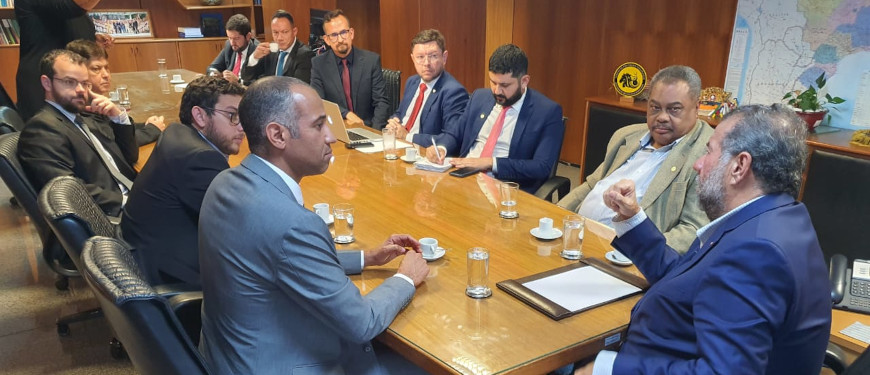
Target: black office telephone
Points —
{"points": [[850, 287]]}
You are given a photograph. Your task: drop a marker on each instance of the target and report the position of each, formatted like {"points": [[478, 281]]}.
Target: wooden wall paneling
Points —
{"points": [[402, 23], [500, 27], [122, 57], [466, 38], [148, 53], [9, 56], [365, 19], [197, 55], [167, 16]]}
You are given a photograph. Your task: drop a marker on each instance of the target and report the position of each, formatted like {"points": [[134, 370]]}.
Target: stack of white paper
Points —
{"points": [[426, 165]]}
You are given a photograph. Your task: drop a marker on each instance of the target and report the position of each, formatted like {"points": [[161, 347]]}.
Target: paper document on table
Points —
{"points": [[378, 146], [427, 165], [857, 331], [580, 288]]}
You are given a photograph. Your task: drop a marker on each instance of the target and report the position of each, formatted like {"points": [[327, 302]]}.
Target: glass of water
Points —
{"points": [[508, 193], [343, 224], [572, 237], [478, 273], [390, 152]]}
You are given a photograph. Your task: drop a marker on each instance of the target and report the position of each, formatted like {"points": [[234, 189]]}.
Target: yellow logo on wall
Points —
{"points": [[629, 79]]}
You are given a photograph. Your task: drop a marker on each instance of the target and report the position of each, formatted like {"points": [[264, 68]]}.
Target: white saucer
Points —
{"points": [[554, 234], [408, 160], [611, 256], [330, 220], [176, 82], [439, 252]]}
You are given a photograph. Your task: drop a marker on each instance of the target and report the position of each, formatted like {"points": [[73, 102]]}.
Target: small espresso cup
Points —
{"points": [[322, 210], [273, 47], [428, 245], [411, 153], [176, 77], [545, 225]]}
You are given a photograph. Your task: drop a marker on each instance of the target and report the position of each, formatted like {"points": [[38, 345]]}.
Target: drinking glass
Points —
{"points": [[343, 224], [508, 192], [572, 229], [478, 273]]}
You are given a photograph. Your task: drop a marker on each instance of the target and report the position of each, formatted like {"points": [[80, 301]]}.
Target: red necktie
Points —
{"points": [[238, 66], [493, 135], [417, 105], [345, 81]]}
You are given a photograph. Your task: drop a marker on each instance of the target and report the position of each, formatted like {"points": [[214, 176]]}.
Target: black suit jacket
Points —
{"points": [[162, 212], [366, 85], [145, 133], [297, 64], [51, 146], [227, 58]]}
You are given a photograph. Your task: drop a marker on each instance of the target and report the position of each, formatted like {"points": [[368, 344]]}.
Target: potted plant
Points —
{"points": [[808, 105]]}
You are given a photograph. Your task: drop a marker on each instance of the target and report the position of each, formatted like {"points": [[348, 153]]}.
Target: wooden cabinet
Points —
{"points": [[197, 55], [9, 57], [139, 56]]}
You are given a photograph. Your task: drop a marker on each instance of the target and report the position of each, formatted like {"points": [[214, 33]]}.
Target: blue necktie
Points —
{"points": [[281, 57]]}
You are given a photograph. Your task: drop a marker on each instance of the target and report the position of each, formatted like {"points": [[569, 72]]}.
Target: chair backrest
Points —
{"points": [[142, 320], [603, 122], [392, 88], [10, 121], [835, 193], [73, 215]]}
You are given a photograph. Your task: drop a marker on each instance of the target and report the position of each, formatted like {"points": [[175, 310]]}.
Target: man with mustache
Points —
{"points": [[57, 141], [510, 131], [658, 157], [348, 76], [162, 215]]}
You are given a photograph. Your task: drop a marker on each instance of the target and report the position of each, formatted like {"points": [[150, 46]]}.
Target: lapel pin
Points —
{"points": [[673, 169], [481, 115]]}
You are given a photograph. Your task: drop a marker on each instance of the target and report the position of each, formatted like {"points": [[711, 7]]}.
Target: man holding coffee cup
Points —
{"points": [[240, 45], [269, 262], [285, 56]]}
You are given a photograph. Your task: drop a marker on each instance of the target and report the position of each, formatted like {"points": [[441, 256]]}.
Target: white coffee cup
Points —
{"points": [[620, 257], [322, 210], [273, 47], [411, 153], [545, 225], [176, 77], [428, 245]]}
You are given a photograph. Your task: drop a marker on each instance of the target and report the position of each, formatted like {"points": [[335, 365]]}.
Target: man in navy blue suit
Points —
{"points": [[433, 98], [751, 295], [511, 131]]}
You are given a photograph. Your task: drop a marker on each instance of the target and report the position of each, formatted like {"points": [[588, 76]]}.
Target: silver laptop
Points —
{"points": [[341, 132]]}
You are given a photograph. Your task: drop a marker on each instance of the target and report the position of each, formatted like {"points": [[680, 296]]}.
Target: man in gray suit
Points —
{"points": [[658, 157], [275, 296]]}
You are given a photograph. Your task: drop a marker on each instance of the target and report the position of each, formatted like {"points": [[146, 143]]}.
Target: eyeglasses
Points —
{"points": [[334, 36], [422, 59], [233, 116], [673, 111], [72, 83]]}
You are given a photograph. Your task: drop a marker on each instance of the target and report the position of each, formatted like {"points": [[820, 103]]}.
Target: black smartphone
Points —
{"points": [[464, 172], [358, 145]]}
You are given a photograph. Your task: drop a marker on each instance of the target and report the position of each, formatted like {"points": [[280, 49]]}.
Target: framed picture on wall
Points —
{"points": [[123, 23]]}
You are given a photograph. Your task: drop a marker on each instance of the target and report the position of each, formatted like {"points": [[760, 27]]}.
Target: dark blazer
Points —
{"points": [[536, 141], [145, 133], [45, 25], [297, 64], [366, 85], [227, 58], [162, 212], [445, 105], [51, 146], [754, 299]]}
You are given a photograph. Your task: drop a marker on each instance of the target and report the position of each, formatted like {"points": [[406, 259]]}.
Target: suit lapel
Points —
{"points": [[334, 78], [290, 57], [632, 144], [671, 167], [433, 96], [259, 167], [72, 126], [485, 109], [356, 77], [526, 113]]}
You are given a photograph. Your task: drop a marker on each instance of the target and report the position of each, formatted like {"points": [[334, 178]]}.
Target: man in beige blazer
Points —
{"points": [[658, 157]]}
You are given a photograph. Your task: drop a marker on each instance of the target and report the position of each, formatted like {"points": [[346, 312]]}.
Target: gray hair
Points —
{"points": [[679, 73], [776, 138], [269, 99]]}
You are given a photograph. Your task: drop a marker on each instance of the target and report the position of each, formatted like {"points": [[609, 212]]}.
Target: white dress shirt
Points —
{"points": [[503, 144], [416, 127]]}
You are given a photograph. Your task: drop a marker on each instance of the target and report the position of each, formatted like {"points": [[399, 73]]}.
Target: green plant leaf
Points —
{"points": [[787, 95], [836, 100], [820, 82]]}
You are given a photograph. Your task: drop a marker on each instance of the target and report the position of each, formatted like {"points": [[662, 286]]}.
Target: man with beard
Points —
{"points": [[161, 218], [658, 157], [57, 141], [751, 295], [101, 80], [510, 131], [293, 59], [233, 60], [350, 76]]}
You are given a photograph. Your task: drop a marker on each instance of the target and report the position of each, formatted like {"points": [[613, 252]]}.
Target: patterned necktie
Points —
{"points": [[345, 81], [417, 105], [489, 146], [281, 57], [238, 66], [107, 159]]}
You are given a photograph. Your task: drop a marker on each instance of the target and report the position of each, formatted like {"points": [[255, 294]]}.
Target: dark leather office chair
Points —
{"points": [[603, 122], [25, 194], [73, 217], [835, 359], [558, 185], [392, 88], [142, 319], [10, 121], [835, 193]]}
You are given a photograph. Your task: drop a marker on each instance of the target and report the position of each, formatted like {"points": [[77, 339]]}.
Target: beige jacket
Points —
{"points": [[671, 200]]}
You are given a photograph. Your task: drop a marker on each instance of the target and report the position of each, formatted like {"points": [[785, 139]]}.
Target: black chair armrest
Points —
{"points": [[169, 291], [835, 359], [187, 307], [556, 184]]}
